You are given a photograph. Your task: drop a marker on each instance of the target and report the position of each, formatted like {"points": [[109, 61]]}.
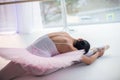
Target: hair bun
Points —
{"points": [[83, 44]]}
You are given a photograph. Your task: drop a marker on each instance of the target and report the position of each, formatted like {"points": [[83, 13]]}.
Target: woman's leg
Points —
{"points": [[94, 50], [11, 71]]}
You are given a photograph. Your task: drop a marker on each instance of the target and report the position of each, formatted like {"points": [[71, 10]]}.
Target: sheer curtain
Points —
{"points": [[21, 18], [8, 21]]}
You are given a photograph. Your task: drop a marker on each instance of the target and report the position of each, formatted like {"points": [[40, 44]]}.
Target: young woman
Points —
{"points": [[49, 46]]}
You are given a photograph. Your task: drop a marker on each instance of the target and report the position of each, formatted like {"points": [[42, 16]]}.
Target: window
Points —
{"points": [[51, 13], [80, 12], [92, 11]]}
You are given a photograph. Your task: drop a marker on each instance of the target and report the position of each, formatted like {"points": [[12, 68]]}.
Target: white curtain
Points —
{"points": [[8, 21], [22, 18]]}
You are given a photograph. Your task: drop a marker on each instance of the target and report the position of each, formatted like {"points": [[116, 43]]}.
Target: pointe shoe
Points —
{"points": [[94, 50], [101, 50], [106, 47]]}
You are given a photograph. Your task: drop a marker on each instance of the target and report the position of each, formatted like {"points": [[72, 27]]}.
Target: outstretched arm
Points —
{"points": [[94, 54], [88, 60]]}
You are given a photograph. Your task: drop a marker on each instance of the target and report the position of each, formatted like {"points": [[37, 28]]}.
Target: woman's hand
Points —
{"points": [[101, 52]]}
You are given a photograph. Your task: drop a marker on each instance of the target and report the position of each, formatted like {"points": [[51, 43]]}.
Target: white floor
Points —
{"points": [[105, 68]]}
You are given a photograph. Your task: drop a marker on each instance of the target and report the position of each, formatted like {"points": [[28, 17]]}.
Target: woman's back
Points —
{"points": [[62, 41]]}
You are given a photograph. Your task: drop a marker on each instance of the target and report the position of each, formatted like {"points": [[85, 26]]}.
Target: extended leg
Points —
{"points": [[94, 50], [11, 71]]}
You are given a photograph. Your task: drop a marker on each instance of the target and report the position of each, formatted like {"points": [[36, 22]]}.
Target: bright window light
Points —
{"points": [[79, 12], [51, 12]]}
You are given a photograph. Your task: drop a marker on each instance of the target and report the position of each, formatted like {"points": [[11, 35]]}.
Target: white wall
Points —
{"points": [[99, 34]]}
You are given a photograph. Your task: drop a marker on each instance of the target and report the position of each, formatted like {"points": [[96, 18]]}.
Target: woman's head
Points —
{"points": [[82, 44]]}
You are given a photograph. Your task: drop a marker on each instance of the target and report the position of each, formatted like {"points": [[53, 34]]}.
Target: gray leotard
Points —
{"points": [[43, 46]]}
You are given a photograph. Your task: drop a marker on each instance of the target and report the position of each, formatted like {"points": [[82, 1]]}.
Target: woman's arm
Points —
{"points": [[89, 60]]}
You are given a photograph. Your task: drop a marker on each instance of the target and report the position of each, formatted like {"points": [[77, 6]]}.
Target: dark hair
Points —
{"points": [[83, 44]]}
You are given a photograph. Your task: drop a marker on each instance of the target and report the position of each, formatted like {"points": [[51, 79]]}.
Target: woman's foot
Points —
{"points": [[104, 47], [101, 50]]}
